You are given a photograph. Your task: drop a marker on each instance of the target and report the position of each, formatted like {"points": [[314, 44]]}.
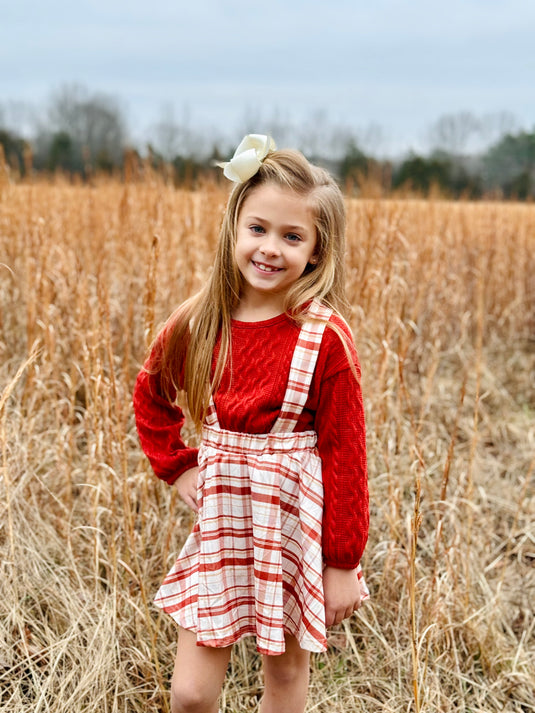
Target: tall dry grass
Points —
{"points": [[443, 297]]}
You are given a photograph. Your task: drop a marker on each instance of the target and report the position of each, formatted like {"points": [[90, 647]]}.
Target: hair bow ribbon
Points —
{"points": [[248, 157]]}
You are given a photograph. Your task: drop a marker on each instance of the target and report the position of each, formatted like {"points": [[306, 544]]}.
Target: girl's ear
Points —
{"points": [[313, 260]]}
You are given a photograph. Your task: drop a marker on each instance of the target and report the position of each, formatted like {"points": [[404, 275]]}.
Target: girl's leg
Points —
{"points": [[286, 680], [198, 675]]}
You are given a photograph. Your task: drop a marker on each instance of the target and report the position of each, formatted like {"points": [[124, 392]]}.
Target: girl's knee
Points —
{"points": [[287, 674], [188, 698], [198, 676], [288, 668]]}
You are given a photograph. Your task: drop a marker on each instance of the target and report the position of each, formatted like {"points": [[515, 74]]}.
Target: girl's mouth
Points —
{"points": [[266, 268]]}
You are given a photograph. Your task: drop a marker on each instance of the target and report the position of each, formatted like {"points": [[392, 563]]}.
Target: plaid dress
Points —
{"points": [[252, 564]]}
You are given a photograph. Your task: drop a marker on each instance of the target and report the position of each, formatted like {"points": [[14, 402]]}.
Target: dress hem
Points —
{"points": [[232, 639]]}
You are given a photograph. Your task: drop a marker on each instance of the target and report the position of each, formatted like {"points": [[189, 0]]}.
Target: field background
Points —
{"points": [[444, 320]]}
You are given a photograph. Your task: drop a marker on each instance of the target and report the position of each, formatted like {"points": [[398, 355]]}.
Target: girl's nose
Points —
{"points": [[270, 246]]}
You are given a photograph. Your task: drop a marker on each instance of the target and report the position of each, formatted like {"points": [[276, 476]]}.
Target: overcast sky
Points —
{"points": [[380, 63]]}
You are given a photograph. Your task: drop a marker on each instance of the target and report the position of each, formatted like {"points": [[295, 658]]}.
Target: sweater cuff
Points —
{"points": [[339, 565], [171, 477]]}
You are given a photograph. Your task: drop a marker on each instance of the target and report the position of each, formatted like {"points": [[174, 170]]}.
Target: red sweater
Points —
{"points": [[249, 400]]}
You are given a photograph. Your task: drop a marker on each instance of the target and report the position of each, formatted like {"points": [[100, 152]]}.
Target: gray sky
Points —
{"points": [[381, 63]]}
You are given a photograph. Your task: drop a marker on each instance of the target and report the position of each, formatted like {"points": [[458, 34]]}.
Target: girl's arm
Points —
{"points": [[342, 447], [341, 433], [339, 422], [159, 424]]}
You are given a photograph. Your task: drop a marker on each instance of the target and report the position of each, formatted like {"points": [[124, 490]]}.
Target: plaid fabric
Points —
{"points": [[252, 564], [302, 368]]}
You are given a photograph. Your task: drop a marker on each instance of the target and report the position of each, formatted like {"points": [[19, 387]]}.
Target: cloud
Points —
{"points": [[397, 63]]}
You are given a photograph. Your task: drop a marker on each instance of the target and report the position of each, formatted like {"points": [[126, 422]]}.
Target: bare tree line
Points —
{"points": [[80, 130]]}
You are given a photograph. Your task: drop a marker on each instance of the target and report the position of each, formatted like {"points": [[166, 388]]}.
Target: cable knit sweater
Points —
{"points": [[249, 400]]}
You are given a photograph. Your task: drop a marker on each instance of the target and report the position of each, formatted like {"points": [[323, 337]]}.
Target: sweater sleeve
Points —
{"points": [[342, 447], [159, 425]]}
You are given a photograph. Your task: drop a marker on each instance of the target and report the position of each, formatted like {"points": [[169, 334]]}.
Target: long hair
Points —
{"points": [[191, 332]]}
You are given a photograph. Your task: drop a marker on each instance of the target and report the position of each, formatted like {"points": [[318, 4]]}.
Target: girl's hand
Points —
{"points": [[187, 487], [341, 590]]}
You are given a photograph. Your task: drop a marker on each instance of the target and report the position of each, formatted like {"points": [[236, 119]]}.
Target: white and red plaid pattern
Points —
{"points": [[252, 564], [302, 369]]}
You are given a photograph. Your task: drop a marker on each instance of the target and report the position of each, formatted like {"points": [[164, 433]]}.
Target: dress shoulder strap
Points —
{"points": [[302, 367], [211, 414]]}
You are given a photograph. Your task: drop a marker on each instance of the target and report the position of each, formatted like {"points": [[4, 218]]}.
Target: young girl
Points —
{"points": [[279, 483]]}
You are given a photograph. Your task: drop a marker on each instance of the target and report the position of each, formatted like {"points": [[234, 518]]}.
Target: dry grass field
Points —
{"points": [[444, 320]]}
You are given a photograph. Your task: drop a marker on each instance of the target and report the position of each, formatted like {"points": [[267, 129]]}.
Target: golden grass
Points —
{"points": [[444, 320]]}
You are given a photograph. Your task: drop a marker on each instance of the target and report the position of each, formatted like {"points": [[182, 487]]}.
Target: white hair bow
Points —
{"points": [[248, 157]]}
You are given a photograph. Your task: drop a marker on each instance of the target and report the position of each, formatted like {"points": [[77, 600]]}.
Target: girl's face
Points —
{"points": [[276, 240]]}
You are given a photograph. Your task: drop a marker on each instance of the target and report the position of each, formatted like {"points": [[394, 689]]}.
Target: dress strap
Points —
{"points": [[302, 368], [211, 414]]}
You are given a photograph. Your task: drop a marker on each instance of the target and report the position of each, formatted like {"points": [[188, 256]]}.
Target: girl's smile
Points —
{"points": [[266, 268], [276, 241]]}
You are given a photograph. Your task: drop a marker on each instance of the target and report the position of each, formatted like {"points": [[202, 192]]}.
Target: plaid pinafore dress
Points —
{"points": [[252, 564]]}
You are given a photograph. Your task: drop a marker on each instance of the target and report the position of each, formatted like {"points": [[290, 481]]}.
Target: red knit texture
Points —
{"points": [[249, 400]]}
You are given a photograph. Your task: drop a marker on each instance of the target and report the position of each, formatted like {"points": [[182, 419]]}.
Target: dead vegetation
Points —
{"points": [[444, 320]]}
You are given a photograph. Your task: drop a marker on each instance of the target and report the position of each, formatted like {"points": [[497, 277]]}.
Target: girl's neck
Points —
{"points": [[251, 310]]}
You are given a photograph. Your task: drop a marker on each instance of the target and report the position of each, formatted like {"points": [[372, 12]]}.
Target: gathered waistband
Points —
{"points": [[212, 436]]}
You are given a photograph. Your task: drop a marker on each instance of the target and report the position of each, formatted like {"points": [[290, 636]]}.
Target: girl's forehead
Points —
{"points": [[271, 197]]}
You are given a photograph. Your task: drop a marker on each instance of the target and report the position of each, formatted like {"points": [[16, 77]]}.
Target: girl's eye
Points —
{"points": [[293, 238], [257, 229]]}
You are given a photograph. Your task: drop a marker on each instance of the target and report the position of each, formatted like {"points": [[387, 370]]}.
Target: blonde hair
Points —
{"points": [[185, 358]]}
